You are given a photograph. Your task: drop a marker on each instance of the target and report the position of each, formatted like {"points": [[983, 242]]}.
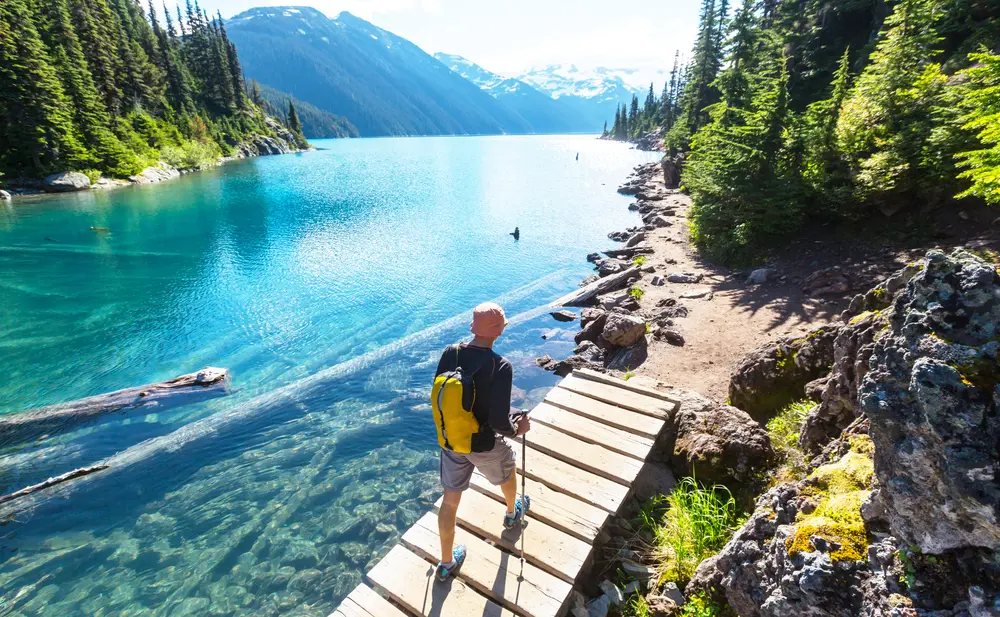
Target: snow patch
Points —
{"points": [[301, 31]]}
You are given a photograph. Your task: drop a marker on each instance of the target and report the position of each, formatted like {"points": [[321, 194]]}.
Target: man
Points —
{"points": [[491, 454]]}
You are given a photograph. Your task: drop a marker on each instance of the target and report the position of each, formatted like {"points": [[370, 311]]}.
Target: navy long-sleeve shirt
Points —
{"points": [[493, 378]]}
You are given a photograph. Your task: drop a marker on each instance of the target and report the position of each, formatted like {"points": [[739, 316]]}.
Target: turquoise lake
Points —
{"points": [[327, 282]]}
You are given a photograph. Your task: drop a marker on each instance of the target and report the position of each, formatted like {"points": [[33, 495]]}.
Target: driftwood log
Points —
{"points": [[207, 383], [69, 475], [584, 295], [631, 251]]}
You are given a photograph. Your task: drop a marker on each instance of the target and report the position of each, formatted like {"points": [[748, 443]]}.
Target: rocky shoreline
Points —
{"points": [[613, 335], [886, 503], [74, 181]]}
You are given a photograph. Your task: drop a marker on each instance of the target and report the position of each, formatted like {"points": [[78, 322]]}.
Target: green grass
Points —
{"points": [[636, 292], [639, 260], [784, 430], [698, 605], [697, 523]]}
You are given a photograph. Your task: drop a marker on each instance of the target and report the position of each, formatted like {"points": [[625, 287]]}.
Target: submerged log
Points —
{"points": [[207, 383], [69, 475], [584, 295]]}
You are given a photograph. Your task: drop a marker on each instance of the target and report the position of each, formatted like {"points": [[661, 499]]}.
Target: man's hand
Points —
{"points": [[523, 425]]}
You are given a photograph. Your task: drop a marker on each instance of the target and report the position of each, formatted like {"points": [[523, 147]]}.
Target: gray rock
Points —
{"points": [[65, 182], [671, 591], [622, 330], [593, 257], [612, 592], [627, 358], [158, 173], [932, 396], [563, 315], [635, 239], [684, 277], [697, 294], [588, 350], [718, 443], [4, 195], [670, 336], [760, 276], [591, 323], [617, 299], [654, 478], [631, 588], [637, 570], [599, 607], [659, 221], [606, 267], [662, 606], [657, 280], [830, 281], [774, 375]]}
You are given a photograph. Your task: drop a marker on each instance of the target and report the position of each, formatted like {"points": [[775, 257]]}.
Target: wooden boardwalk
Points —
{"points": [[588, 442]]}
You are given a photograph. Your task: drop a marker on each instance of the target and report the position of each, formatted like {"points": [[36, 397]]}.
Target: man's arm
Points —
{"points": [[446, 363], [500, 400]]}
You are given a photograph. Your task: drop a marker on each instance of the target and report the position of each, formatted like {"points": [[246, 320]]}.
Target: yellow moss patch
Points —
{"points": [[862, 444], [862, 316], [841, 488]]}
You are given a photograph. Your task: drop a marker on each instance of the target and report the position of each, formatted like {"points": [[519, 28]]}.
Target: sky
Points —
{"points": [[510, 36]]}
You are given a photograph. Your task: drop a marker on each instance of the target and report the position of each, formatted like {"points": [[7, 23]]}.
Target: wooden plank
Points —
{"points": [[578, 519], [546, 547], [583, 485], [642, 403], [591, 457], [592, 431], [532, 592], [365, 602], [410, 581], [612, 415], [587, 373]]}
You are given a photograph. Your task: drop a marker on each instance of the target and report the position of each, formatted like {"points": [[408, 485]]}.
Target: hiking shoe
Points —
{"points": [[458, 558], [521, 507]]}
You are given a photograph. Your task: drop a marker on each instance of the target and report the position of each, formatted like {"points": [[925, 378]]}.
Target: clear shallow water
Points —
{"points": [[328, 283]]}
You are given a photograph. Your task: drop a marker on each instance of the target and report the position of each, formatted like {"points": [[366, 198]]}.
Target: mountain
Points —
{"points": [[382, 83], [316, 123], [545, 114], [591, 94]]}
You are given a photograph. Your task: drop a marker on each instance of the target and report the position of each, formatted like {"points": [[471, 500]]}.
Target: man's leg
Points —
{"points": [[509, 489], [446, 523]]}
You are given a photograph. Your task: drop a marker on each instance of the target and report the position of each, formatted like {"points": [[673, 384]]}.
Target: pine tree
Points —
{"points": [[649, 106], [886, 122], [604, 133], [36, 120], [295, 126], [699, 91], [233, 65], [633, 117], [981, 103], [255, 94]]}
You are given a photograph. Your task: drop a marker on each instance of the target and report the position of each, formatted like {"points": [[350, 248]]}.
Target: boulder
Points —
{"points": [[672, 166], [590, 351], [4, 195], [933, 399], [618, 299], [157, 173], [65, 182], [592, 324], [635, 239], [657, 280], [655, 478], [618, 236], [627, 358], [660, 221], [563, 315], [774, 375], [826, 282], [593, 257], [759, 276], [716, 442], [662, 606], [684, 277], [567, 366], [607, 267], [621, 330], [673, 337]]}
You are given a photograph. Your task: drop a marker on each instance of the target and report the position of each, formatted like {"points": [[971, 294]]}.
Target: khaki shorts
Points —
{"points": [[496, 465]]}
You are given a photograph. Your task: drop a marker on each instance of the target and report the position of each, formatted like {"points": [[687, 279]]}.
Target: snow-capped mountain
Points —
{"points": [[544, 113], [593, 93]]}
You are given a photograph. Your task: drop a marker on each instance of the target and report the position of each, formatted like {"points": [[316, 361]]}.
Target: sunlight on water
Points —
{"points": [[328, 283]]}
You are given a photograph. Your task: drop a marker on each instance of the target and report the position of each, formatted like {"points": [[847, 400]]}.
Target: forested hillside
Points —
{"points": [[316, 123], [104, 86], [802, 110], [384, 84]]}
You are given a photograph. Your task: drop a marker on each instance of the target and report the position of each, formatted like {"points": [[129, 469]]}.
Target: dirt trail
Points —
{"points": [[734, 317]]}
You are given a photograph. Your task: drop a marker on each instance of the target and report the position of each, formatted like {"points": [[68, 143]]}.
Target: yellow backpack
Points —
{"points": [[452, 399]]}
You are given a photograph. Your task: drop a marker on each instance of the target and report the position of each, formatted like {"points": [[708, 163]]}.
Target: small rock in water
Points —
{"points": [[592, 257], [563, 315]]}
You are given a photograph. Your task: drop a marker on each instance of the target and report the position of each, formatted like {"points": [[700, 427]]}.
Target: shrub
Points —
{"points": [[699, 605], [639, 260], [783, 429], [190, 155], [636, 292], [93, 174], [698, 522]]}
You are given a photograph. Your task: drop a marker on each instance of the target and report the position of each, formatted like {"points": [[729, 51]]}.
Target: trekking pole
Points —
{"points": [[524, 461]]}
